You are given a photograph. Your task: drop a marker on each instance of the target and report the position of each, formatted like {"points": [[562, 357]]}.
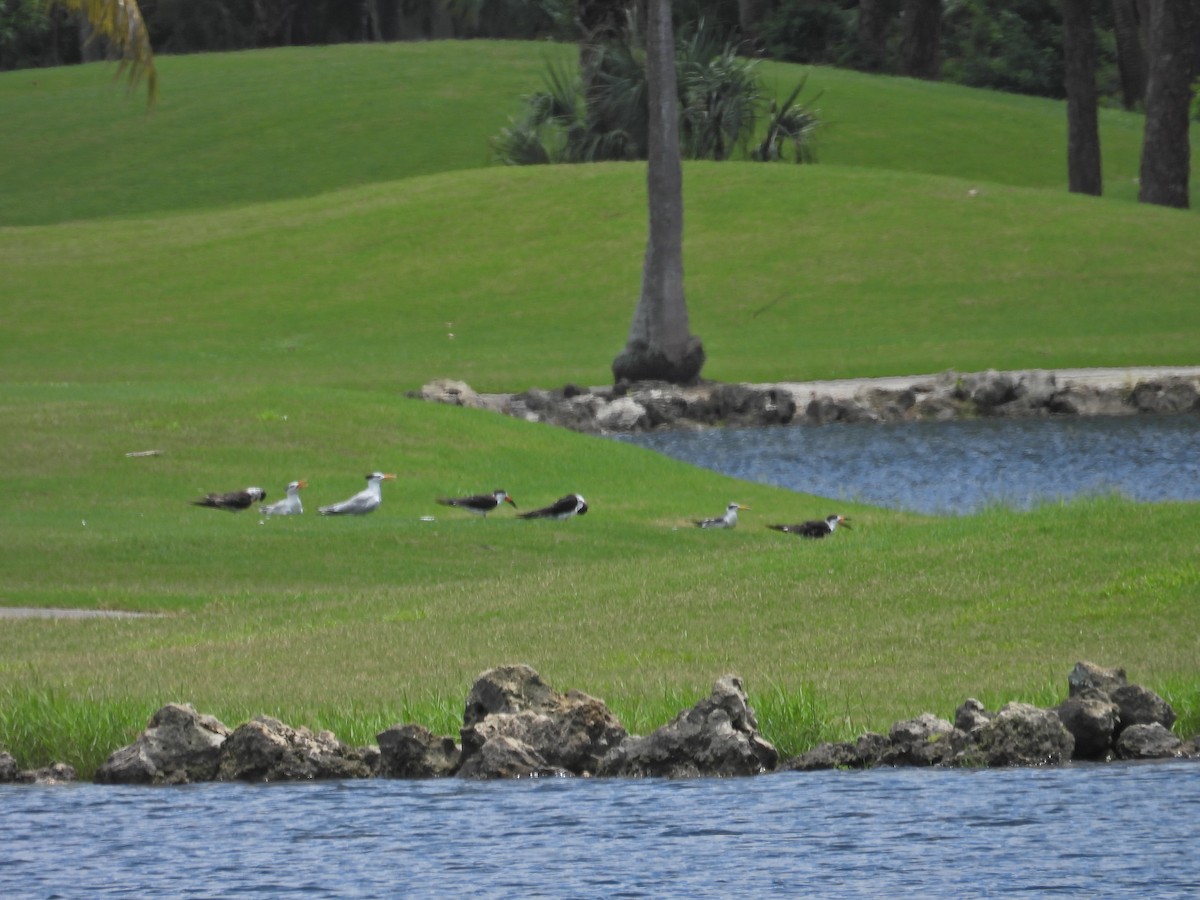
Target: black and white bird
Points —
{"points": [[729, 520], [815, 528], [480, 504], [562, 508], [234, 501], [289, 505], [365, 501]]}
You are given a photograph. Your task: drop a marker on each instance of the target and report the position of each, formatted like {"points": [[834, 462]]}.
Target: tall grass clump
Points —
{"points": [[40, 725]]}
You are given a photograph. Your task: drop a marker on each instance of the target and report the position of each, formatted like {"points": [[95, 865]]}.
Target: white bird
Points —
{"points": [[365, 501], [562, 508], [729, 520], [289, 505]]}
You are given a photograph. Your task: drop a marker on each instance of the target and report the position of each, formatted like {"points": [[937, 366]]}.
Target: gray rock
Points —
{"points": [[571, 731], [989, 389], [451, 392], [971, 715], [8, 767], [266, 749], [864, 753], [502, 756], [838, 755], [926, 740], [1151, 741], [413, 751], [1169, 396], [1088, 675], [55, 773], [1036, 387], [1092, 720], [622, 414], [178, 746], [1020, 735], [1141, 706], [718, 736]]}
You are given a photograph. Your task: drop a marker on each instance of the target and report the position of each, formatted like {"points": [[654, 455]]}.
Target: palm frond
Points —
{"points": [[121, 22]]}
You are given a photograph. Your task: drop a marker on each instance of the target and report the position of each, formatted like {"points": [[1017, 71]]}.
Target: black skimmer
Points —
{"points": [[480, 504], [234, 501], [289, 505], [816, 528], [729, 520], [365, 501], [562, 508]]}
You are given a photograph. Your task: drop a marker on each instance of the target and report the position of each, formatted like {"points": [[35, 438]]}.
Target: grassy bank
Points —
{"points": [[255, 304]]}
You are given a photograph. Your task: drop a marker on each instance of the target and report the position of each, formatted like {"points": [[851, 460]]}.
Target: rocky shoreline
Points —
{"points": [[647, 406], [517, 726]]}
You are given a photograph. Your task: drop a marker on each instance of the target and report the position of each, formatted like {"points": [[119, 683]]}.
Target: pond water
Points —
{"points": [[1118, 830], [958, 466]]}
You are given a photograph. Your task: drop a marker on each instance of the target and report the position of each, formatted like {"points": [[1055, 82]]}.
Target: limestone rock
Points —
{"points": [[622, 414], [1151, 741], [971, 715], [55, 773], [718, 736], [864, 753], [1088, 675], [571, 731], [451, 392], [266, 749], [413, 751], [1020, 735], [178, 746], [1141, 706], [924, 741], [1092, 720], [501, 756], [1168, 396]]}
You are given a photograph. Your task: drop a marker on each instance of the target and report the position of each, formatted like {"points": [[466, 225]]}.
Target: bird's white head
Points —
{"points": [[502, 497], [377, 477]]}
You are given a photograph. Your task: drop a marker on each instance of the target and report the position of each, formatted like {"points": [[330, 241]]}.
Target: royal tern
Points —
{"points": [[289, 505], [365, 501], [729, 520]]}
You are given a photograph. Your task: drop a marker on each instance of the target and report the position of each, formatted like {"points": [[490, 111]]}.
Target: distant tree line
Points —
{"points": [[1008, 45]]}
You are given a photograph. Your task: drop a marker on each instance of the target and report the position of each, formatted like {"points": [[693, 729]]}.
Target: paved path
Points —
{"points": [[846, 388], [32, 612]]}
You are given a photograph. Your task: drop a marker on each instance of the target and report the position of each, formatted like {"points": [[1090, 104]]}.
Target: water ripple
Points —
{"points": [[958, 466]]}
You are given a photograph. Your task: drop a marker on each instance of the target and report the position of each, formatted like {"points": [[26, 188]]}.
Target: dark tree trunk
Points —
{"points": [[1083, 130], [921, 46], [874, 17], [660, 345], [1130, 33], [1166, 154]]}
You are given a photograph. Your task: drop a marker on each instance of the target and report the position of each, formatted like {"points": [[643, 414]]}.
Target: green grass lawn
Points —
{"points": [[250, 278]]}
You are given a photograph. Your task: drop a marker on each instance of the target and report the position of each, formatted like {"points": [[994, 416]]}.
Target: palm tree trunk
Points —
{"points": [[660, 345]]}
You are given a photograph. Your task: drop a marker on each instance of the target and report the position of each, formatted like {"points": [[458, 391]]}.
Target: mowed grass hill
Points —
{"points": [[249, 278]]}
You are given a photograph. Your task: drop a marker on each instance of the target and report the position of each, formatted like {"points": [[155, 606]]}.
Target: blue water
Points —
{"points": [[1120, 830], [959, 466]]}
